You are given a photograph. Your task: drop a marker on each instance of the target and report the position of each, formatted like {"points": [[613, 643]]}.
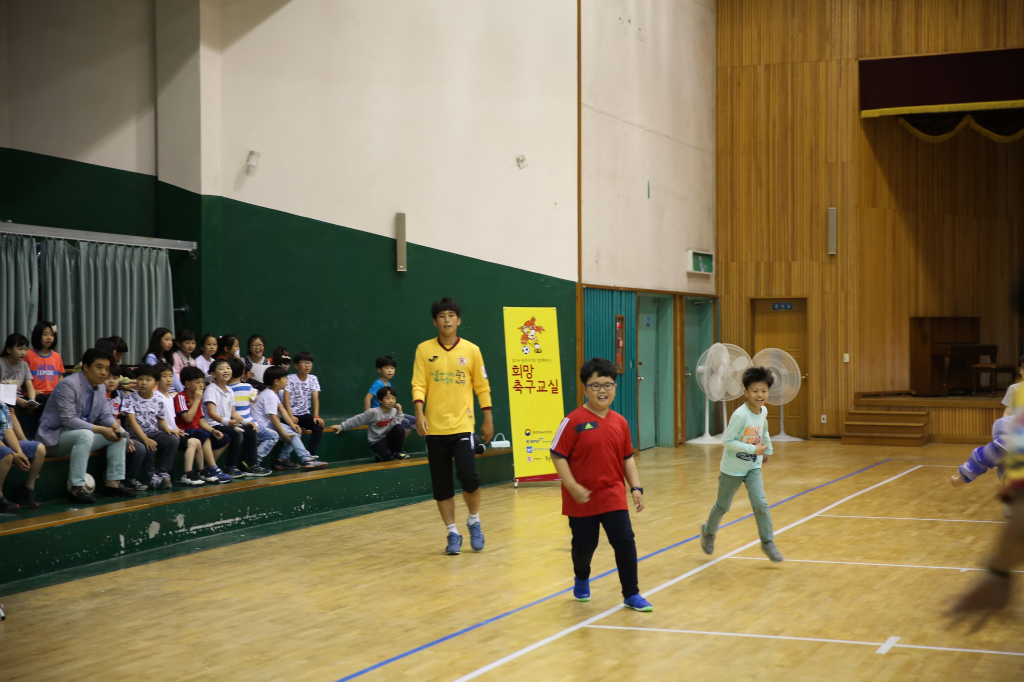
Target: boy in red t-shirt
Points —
{"points": [[593, 453]]}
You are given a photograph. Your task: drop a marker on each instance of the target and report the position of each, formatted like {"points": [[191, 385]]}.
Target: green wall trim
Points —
{"points": [[36, 189], [32, 554]]}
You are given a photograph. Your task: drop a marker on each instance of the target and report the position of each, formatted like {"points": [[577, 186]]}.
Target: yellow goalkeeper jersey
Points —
{"points": [[444, 379]]}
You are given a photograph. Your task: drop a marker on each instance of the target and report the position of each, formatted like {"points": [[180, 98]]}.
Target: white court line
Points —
{"points": [[905, 518], [891, 642], [684, 576], [941, 466], [864, 563]]}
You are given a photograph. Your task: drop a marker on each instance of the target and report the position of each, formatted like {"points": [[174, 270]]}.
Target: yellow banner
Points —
{"points": [[534, 388]]}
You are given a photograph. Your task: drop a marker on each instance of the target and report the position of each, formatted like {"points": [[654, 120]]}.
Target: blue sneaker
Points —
{"points": [[581, 590], [235, 472], [476, 536], [638, 603], [221, 476], [454, 544]]}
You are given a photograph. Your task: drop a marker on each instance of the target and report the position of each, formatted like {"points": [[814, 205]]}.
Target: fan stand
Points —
{"points": [[707, 438], [784, 437]]}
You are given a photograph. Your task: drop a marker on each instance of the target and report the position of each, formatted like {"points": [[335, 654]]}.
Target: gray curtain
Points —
{"points": [[95, 290], [19, 285]]}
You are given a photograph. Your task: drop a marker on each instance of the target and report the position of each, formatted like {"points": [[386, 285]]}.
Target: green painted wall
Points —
{"points": [[302, 283], [36, 189]]}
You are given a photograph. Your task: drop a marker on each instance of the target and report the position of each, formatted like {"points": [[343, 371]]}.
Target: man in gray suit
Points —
{"points": [[77, 420]]}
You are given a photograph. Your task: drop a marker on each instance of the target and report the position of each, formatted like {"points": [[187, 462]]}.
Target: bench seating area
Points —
{"points": [[59, 541]]}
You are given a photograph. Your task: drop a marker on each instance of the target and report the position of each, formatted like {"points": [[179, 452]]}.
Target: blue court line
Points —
{"points": [[493, 619]]}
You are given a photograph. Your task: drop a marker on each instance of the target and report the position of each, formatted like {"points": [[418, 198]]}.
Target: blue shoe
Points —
{"points": [[476, 536], [638, 603], [221, 476], [234, 472], [454, 544], [581, 590]]}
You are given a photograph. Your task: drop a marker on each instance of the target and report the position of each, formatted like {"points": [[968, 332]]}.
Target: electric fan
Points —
{"points": [[785, 387], [720, 375]]}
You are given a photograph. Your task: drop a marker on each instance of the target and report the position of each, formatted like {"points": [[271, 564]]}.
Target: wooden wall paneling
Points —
{"points": [[923, 229]]}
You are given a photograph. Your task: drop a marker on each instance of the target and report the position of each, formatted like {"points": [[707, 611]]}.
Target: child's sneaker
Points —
{"points": [[257, 471], [314, 465], [771, 551], [132, 484], [222, 477], [26, 496], [454, 544], [154, 481], [165, 480], [209, 476], [707, 542], [581, 590], [401, 455], [476, 536], [7, 507], [234, 472], [286, 464], [638, 603], [190, 478]]}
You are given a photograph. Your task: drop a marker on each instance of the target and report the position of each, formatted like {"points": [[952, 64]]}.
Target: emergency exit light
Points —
{"points": [[700, 262]]}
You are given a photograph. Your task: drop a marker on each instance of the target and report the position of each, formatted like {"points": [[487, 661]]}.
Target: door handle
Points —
{"points": [[687, 374], [639, 378], [803, 378]]}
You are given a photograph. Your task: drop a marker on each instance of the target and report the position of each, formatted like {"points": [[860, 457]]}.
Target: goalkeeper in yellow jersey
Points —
{"points": [[446, 373]]}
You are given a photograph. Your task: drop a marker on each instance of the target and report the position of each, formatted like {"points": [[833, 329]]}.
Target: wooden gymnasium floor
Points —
{"points": [[876, 540]]}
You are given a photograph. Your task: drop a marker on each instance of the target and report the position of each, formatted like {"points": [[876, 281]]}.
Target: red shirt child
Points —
{"points": [[181, 406], [596, 449]]}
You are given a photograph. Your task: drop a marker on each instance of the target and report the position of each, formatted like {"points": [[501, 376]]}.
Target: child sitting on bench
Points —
{"points": [[384, 426]]}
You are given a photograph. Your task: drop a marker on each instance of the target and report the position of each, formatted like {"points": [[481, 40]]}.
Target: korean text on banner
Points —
{"points": [[534, 389]]}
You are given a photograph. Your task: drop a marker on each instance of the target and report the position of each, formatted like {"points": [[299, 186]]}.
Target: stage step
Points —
{"points": [[900, 429]]}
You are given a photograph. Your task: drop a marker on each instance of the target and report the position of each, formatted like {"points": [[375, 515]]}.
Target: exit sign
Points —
{"points": [[782, 306], [700, 262]]}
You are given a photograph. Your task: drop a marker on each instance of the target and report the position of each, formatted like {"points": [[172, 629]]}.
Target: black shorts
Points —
{"points": [[441, 452]]}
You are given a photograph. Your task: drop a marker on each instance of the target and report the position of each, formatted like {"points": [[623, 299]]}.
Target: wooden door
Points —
{"points": [[782, 323]]}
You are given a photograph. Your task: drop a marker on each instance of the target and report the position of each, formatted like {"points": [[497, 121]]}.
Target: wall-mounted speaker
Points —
{"points": [[400, 241]]}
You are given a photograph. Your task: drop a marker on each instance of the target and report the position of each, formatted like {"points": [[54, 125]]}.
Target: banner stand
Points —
{"points": [[535, 479]]}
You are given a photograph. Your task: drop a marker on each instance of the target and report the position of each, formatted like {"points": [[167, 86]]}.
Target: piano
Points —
{"points": [[942, 350]]}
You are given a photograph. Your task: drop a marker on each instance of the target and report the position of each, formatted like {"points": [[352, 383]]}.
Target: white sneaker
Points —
{"points": [[154, 481], [185, 480]]}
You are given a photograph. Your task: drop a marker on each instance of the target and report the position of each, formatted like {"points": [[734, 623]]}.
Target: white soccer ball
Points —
{"points": [[90, 484], [526, 350]]}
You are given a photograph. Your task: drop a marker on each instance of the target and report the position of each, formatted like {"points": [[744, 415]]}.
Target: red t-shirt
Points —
{"points": [[183, 404], [46, 371], [597, 450]]}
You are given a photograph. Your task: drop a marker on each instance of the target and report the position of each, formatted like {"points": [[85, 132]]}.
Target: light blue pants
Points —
{"points": [[266, 439], [78, 443], [727, 487], [295, 443]]}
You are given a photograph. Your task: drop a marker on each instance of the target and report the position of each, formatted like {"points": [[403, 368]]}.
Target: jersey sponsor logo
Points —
{"points": [[529, 432], [587, 426], [483, 370], [462, 360], [432, 359]]}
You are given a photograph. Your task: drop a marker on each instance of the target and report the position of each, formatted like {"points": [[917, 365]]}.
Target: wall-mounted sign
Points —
{"points": [[620, 344], [700, 262], [782, 306]]}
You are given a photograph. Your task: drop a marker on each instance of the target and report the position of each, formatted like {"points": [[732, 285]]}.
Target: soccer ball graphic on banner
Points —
{"points": [[526, 350]]}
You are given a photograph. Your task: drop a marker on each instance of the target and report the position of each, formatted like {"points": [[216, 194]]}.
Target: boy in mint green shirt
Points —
{"points": [[746, 444]]}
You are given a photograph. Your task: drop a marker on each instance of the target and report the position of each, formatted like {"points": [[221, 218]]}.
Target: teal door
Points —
{"points": [[647, 372], [655, 392], [600, 308], [699, 321]]}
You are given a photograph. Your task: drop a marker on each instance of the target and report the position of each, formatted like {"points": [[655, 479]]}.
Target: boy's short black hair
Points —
{"points": [[598, 366], [303, 355], [115, 370], [215, 365], [190, 373], [237, 367], [93, 354], [754, 375], [444, 304], [271, 375], [37, 334], [162, 368], [148, 371], [385, 390], [386, 361]]}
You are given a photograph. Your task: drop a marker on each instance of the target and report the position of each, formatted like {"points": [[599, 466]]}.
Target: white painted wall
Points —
{"points": [[364, 109], [648, 116], [81, 81]]}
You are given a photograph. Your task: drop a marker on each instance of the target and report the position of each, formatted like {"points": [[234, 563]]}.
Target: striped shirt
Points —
{"points": [[244, 395]]}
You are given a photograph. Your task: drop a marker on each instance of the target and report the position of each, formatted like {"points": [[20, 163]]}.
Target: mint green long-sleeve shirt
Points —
{"points": [[742, 436]]}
